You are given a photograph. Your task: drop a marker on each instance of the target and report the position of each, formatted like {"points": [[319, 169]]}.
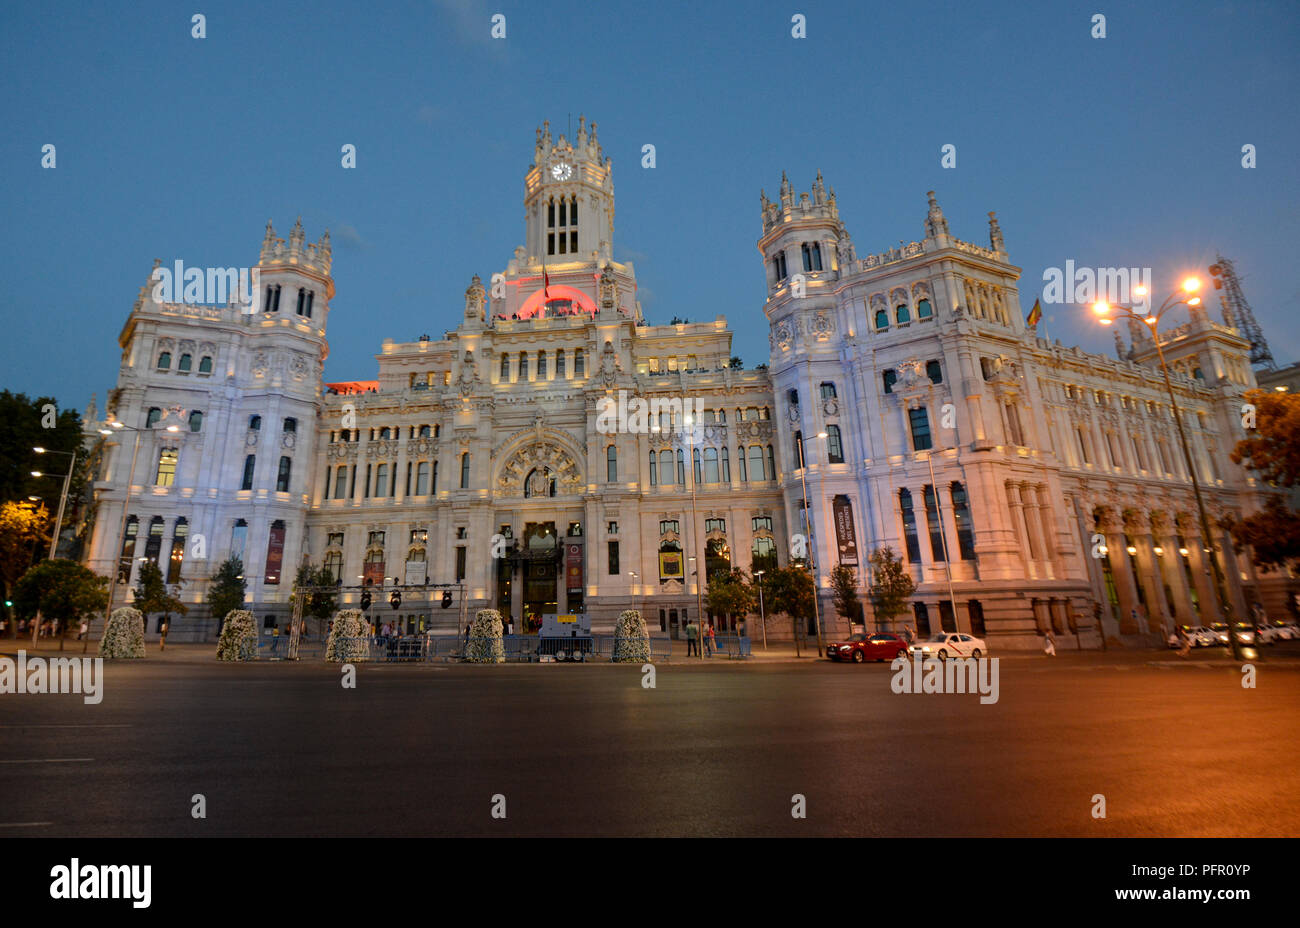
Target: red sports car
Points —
{"points": [[858, 648]]}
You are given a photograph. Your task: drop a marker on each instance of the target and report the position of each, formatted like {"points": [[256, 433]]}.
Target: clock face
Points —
{"points": [[562, 171]]}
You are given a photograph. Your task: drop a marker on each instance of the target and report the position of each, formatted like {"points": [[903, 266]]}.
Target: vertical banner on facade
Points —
{"points": [[275, 552], [845, 538], [573, 568], [670, 564], [373, 572]]}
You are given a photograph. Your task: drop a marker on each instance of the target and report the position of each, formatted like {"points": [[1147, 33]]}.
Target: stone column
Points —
{"points": [[1121, 569]]}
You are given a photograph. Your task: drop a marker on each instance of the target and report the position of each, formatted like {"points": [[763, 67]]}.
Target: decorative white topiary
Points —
{"points": [[349, 639], [484, 646], [631, 639], [238, 641], [124, 635]]}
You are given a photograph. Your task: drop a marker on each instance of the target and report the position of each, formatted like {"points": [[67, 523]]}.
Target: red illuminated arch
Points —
{"points": [[533, 305]]}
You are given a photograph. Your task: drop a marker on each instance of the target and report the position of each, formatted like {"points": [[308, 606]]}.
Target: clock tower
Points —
{"points": [[569, 200]]}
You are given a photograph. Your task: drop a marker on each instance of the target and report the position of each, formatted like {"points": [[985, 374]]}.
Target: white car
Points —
{"points": [[1198, 635], [944, 645]]}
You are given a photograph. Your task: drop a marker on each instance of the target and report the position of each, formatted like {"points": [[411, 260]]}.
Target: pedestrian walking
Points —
{"points": [[81, 632], [692, 639], [275, 639], [1184, 642], [1049, 645]]}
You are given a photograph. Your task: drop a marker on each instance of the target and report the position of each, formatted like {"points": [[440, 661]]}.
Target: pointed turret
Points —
{"points": [[995, 235], [935, 223]]}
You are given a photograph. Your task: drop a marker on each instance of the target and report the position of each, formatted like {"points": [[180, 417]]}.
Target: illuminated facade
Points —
{"points": [[929, 418]]}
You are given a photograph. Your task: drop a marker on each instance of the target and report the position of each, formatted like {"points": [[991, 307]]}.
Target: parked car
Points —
{"points": [[1244, 631], [1198, 635], [1284, 632], [858, 648], [1268, 634], [944, 645]]}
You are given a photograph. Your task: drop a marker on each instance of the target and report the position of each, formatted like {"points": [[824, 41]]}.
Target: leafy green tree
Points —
{"points": [[151, 594], [729, 593], [844, 588], [790, 590], [226, 591], [24, 530], [321, 601], [891, 585], [61, 589]]}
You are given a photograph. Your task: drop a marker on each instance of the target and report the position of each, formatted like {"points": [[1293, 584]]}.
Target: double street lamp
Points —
{"points": [[817, 613], [1182, 296]]}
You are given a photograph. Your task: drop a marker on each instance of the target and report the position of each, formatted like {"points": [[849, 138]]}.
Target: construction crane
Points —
{"points": [[1237, 312]]}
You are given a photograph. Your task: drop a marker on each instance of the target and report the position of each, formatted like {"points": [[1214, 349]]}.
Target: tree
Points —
{"points": [[736, 364], [729, 593], [226, 591], [844, 587], [24, 529], [1273, 448], [61, 589], [27, 423], [152, 595], [1273, 452], [1273, 534], [891, 585], [320, 602], [790, 590]]}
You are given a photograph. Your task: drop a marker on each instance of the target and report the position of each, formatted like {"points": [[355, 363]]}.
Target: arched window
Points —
{"points": [[291, 424], [834, 446], [769, 464], [923, 310], [385, 434], [152, 418], [559, 363], [282, 475], [711, 474], [909, 526], [827, 390], [505, 367], [205, 364], [726, 465], [185, 363], [381, 480], [695, 465], [681, 467], [611, 464], [165, 361], [579, 368], [539, 482], [334, 565], [341, 482], [665, 467], [523, 365], [740, 463], [965, 530], [541, 365], [934, 370], [902, 314], [882, 319], [254, 423], [763, 555], [196, 420], [798, 456], [918, 419], [889, 378], [755, 463], [250, 462]]}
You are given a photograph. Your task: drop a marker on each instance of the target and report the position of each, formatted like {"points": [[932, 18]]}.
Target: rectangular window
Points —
{"points": [[166, 474], [919, 420], [464, 471], [937, 546], [834, 445], [460, 563], [422, 478], [613, 558], [761, 522]]}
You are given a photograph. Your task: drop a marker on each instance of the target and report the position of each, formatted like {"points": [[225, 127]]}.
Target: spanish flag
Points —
{"points": [[1034, 315]]}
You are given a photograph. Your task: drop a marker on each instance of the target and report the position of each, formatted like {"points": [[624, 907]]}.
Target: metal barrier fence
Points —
{"points": [[446, 648]]}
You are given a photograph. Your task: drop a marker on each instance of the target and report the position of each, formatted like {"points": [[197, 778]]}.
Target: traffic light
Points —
{"points": [[446, 599], [396, 600], [365, 600]]}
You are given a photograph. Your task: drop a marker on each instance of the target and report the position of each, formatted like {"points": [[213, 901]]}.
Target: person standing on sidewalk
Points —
{"points": [[1049, 645], [1185, 643], [692, 639]]}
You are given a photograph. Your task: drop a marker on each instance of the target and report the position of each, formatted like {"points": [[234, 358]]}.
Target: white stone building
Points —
{"points": [[477, 458]]}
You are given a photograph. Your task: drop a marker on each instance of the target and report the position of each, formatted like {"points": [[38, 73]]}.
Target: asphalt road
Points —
{"points": [[717, 749]]}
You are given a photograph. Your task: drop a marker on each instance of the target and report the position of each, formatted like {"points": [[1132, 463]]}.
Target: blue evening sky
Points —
{"points": [[1123, 151]]}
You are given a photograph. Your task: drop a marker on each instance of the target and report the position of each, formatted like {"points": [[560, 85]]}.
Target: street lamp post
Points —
{"points": [[1190, 286], [688, 424], [817, 613], [116, 553], [63, 497], [762, 616]]}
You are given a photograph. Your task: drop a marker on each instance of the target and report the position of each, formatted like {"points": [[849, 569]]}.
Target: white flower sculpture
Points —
{"points": [[124, 634], [484, 646], [349, 639], [631, 639], [238, 641]]}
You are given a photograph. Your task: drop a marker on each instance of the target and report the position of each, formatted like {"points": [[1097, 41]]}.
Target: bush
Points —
{"points": [[238, 641], [124, 634], [484, 645], [349, 639], [631, 639]]}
